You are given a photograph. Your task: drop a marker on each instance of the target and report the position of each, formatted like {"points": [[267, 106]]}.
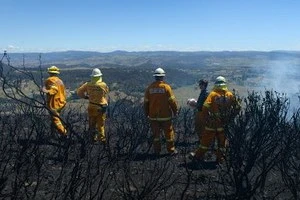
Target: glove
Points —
{"points": [[43, 89]]}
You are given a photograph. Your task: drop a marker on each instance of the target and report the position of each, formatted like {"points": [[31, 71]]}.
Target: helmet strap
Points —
{"points": [[159, 78], [96, 79]]}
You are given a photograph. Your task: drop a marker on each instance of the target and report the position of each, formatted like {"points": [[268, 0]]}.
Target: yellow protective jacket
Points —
{"points": [[56, 96], [159, 101], [96, 91], [218, 108]]}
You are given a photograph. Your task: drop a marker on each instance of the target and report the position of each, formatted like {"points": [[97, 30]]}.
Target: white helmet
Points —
{"points": [[96, 72], [159, 72], [220, 81]]}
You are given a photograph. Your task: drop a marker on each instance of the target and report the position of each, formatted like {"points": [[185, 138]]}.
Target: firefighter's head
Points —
{"points": [[53, 70], [220, 82], [159, 74], [203, 83], [96, 73]]}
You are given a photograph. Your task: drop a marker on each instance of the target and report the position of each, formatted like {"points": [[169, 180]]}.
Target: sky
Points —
{"points": [[149, 25]]}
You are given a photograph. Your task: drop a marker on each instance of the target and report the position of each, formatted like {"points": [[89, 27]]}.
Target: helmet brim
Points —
{"points": [[53, 72], [220, 84]]}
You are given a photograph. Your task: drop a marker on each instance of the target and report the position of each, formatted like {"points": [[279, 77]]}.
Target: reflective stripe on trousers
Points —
{"points": [[214, 129]]}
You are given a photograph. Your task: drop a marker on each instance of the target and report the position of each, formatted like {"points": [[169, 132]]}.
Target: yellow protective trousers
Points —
{"points": [[57, 122], [97, 123], [207, 137], [167, 128]]}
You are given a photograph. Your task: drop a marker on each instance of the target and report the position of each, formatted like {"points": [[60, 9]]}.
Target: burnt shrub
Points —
{"points": [[258, 139], [262, 158]]}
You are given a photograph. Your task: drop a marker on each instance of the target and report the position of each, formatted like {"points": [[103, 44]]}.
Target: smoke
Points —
{"points": [[283, 77]]}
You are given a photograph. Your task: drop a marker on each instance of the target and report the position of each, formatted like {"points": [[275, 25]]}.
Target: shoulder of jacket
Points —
{"points": [[166, 85], [52, 79], [103, 83], [229, 93], [213, 93], [84, 84]]}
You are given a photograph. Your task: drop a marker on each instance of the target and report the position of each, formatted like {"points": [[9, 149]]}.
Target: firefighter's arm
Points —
{"points": [[44, 89], [107, 97], [205, 109], [106, 89], [81, 91], [172, 101], [174, 106], [50, 88]]}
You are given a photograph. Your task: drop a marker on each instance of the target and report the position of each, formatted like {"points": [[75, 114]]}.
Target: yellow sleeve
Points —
{"points": [[51, 86], [81, 91], [208, 101], [172, 100]]}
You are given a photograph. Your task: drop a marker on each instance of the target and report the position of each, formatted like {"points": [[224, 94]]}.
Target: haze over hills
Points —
{"points": [[155, 58]]}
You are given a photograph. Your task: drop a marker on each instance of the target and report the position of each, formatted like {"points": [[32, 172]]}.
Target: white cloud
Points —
{"points": [[11, 49]]}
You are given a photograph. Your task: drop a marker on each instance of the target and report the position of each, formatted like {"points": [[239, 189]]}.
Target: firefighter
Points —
{"points": [[160, 106], [197, 105], [218, 108], [56, 97], [96, 91]]}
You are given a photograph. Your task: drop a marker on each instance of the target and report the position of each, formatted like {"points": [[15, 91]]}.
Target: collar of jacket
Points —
{"points": [[96, 79], [222, 87]]}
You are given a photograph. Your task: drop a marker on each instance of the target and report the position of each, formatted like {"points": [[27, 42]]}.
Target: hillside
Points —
{"points": [[262, 161], [152, 58], [131, 71]]}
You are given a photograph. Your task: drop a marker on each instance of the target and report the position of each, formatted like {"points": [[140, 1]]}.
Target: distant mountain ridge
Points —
{"points": [[142, 58]]}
